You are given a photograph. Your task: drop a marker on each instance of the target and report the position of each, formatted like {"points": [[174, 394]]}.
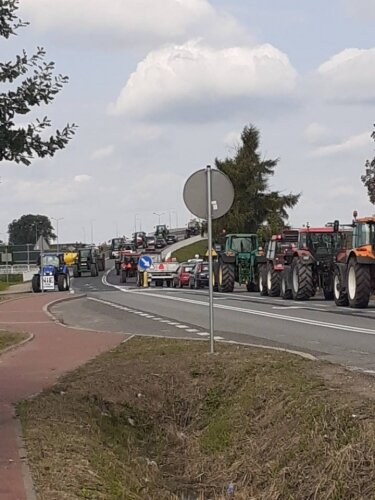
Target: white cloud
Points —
{"points": [[232, 139], [349, 76], [193, 74], [82, 178], [130, 23], [353, 143], [104, 152], [316, 133]]}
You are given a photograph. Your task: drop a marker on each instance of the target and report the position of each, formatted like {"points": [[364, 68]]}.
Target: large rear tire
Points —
{"points": [[340, 297], [263, 281], [328, 293], [302, 281], [359, 285], [123, 276], [226, 277], [76, 273], [273, 282], [93, 270], [35, 283]]}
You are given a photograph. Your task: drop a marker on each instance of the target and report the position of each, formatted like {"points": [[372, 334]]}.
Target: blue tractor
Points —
{"points": [[52, 272]]}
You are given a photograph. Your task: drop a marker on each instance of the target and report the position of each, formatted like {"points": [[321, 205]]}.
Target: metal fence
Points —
{"points": [[12, 255]]}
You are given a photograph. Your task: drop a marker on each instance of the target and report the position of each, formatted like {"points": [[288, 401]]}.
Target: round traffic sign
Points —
{"points": [[195, 193], [145, 262]]}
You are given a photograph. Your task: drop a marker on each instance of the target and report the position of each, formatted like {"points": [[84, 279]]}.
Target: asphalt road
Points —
{"points": [[317, 327]]}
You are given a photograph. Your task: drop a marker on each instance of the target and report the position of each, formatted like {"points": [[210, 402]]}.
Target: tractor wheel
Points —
{"points": [[76, 273], [341, 298], [263, 280], [62, 283], [169, 283], [252, 287], [123, 276], [359, 285], [35, 283], [93, 270], [273, 282], [226, 277], [117, 269], [103, 264], [285, 292], [302, 281]]}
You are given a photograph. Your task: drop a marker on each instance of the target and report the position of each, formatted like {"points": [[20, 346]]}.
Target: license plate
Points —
{"points": [[48, 282]]}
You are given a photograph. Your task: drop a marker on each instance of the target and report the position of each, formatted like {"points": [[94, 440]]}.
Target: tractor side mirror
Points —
{"points": [[336, 226]]}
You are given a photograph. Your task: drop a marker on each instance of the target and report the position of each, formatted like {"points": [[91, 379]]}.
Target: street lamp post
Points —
{"points": [[92, 230], [158, 214], [57, 230]]}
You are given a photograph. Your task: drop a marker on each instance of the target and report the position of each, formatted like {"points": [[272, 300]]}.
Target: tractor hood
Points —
{"points": [[48, 270]]}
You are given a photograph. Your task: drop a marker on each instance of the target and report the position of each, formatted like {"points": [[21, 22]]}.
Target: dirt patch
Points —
{"points": [[162, 419], [8, 338]]}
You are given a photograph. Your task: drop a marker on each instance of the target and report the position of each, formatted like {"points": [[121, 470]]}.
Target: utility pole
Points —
{"points": [[158, 214], [92, 230], [57, 230]]}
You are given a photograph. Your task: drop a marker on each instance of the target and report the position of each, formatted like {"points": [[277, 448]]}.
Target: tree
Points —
{"points": [[369, 178], [254, 206], [23, 143], [28, 228]]}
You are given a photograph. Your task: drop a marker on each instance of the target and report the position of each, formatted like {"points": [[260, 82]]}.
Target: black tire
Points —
{"points": [[93, 270], [123, 276], [76, 273], [285, 292], [226, 277], [61, 282], [340, 297], [358, 285], [169, 283], [35, 283], [117, 267], [103, 264], [262, 279], [302, 281], [252, 287], [273, 282]]}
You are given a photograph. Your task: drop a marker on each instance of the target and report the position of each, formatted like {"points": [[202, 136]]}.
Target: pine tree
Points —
{"points": [[369, 178]]}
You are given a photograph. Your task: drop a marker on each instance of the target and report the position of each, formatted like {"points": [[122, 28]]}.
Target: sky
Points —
{"points": [[160, 88]]}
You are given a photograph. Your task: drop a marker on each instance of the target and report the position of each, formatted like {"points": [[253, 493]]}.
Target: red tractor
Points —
{"points": [[128, 265], [300, 261]]}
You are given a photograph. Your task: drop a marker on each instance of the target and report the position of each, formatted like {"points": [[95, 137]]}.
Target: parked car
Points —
{"points": [[150, 242], [160, 243], [182, 276], [199, 278]]}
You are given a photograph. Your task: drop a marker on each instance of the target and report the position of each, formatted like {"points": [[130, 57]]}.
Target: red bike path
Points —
{"points": [[32, 367]]}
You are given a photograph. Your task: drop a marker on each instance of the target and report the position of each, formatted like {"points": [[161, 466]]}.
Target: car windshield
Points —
{"points": [[244, 244], [187, 269], [331, 242], [85, 253], [205, 268], [50, 260]]}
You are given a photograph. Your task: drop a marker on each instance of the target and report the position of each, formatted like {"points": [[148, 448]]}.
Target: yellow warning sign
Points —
{"points": [[213, 253]]}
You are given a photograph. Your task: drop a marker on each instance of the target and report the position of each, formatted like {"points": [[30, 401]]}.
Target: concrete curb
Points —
{"points": [[46, 307], [15, 346], [26, 472]]}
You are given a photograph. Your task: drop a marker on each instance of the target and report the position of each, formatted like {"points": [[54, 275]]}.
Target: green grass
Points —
{"points": [[158, 418], [12, 279], [188, 252], [7, 339]]}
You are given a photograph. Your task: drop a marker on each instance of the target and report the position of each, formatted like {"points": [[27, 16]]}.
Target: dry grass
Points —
{"points": [[161, 419], [7, 339]]}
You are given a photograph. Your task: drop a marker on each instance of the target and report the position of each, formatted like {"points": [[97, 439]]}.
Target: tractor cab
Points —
{"points": [[364, 232], [241, 244]]}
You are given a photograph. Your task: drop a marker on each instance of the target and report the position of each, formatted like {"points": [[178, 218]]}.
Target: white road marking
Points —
{"points": [[183, 327], [203, 334], [192, 330], [305, 321], [218, 338]]}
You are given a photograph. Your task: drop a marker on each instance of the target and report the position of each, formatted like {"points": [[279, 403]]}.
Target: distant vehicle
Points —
{"points": [[161, 231], [160, 243], [53, 272], [139, 239], [150, 242], [199, 278], [171, 238], [128, 248], [128, 265], [116, 244], [88, 260], [182, 276], [160, 272], [193, 229]]}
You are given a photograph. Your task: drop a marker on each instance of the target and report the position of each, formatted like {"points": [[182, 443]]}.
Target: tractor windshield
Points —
{"points": [[244, 245], [363, 234], [50, 260], [325, 242], [85, 253]]}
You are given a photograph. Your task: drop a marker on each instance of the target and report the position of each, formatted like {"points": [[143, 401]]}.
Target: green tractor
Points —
{"points": [[239, 263]]}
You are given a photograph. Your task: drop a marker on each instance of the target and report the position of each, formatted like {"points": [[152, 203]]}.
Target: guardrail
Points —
{"points": [[17, 269]]}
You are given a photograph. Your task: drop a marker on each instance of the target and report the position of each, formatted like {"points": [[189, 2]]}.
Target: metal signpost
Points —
{"points": [[144, 264], [209, 194]]}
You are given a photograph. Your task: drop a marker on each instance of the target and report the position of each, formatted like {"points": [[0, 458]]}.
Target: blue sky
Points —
{"points": [[160, 88]]}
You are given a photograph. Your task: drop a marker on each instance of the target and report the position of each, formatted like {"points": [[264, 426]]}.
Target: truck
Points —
{"points": [[161, 273]]}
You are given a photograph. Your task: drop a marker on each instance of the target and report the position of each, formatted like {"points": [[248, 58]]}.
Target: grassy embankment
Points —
{"points": [[162, 419], [8, 338], [13, 279], [188, 252]]}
